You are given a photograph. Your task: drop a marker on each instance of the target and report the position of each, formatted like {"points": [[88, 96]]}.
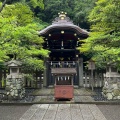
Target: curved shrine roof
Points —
{"points": [[63, 23]]}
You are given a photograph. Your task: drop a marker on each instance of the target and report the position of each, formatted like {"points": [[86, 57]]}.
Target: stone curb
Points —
{"points": [[66, 102]]}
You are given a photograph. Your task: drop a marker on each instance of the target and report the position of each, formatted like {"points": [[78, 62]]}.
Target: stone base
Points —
{"points": [[112, 91], [15, 88]]}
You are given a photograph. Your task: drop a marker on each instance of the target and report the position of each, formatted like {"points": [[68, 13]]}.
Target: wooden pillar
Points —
{"points": [[4, 74], [0, 78], [80, 71], [77, 76]]}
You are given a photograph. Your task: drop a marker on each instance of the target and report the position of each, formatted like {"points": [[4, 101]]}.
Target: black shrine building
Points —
{"points": [[64, 62]]}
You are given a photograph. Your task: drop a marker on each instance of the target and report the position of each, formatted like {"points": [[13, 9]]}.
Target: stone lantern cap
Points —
{"points": [[15, 71], [111, 71], [14, 63]]}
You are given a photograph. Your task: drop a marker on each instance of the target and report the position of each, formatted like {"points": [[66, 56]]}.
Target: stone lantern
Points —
{"points": [[111, 89], [15, 81], [111, 75]]}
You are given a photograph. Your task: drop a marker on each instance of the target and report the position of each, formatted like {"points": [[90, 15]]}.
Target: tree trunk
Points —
{"points": [[3, 4]]}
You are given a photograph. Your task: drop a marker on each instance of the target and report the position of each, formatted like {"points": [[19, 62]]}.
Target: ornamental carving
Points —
{"points": [[62, 19]]}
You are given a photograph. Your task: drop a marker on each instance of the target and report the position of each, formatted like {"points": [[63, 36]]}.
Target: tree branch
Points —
{"points": [[3, 4]]}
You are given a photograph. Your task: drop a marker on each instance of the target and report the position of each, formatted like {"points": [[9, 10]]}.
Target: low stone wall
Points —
{"points": [[111, 89], [15, 87]]}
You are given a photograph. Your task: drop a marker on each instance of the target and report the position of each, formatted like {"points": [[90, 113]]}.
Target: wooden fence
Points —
{"points": [[97, 81], [87, 81], [36, 83]]}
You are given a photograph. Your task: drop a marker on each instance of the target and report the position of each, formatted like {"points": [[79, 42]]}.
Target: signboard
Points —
{"points": [[91, 65]]}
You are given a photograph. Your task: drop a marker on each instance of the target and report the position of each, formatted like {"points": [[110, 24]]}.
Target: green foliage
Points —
{"points": [[76, 10], [104, 40], [81, 11], [32, 64], [3, 83], [28, 77], [0, 4], [19, 37], [21, 13], [31, 3], [36, 3]]}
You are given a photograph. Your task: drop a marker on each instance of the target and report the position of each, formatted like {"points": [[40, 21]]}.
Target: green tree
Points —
{"points": [[104, 41], [2, 5], [76, 10], [33, 3], [82, 9], [19, 37], [53, 7]]}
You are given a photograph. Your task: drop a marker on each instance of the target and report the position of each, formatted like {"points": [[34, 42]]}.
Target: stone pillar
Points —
{"points": [[45, 80], [77, 75], [80, 71]]}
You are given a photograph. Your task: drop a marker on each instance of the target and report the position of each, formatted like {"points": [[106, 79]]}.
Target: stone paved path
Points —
{"points": [[50, 91], [47, 95], [51, 99], [63, 112]]}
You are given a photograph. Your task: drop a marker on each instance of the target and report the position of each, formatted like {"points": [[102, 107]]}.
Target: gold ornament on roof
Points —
{"points": [[62, 15]]}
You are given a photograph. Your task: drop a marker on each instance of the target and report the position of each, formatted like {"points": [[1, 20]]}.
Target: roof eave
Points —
{"points": [[77, 29]]}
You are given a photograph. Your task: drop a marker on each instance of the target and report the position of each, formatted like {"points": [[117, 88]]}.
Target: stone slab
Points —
{"points": [[96, 112], [30, 112], [50, 91], [63, 112], [40, 113], [51, 112], [83, 99], [76, 112], [86, 112]]}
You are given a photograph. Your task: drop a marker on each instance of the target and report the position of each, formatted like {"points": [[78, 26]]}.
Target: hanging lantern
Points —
{"points": [[77, 56], [75, 34], [62, 32]]}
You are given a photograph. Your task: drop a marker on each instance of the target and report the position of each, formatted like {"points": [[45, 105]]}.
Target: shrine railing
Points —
{"points": [[62, 64]]}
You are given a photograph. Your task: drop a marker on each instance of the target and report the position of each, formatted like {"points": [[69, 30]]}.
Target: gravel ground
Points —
{"points": [[12, 112], [111, 112]]}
